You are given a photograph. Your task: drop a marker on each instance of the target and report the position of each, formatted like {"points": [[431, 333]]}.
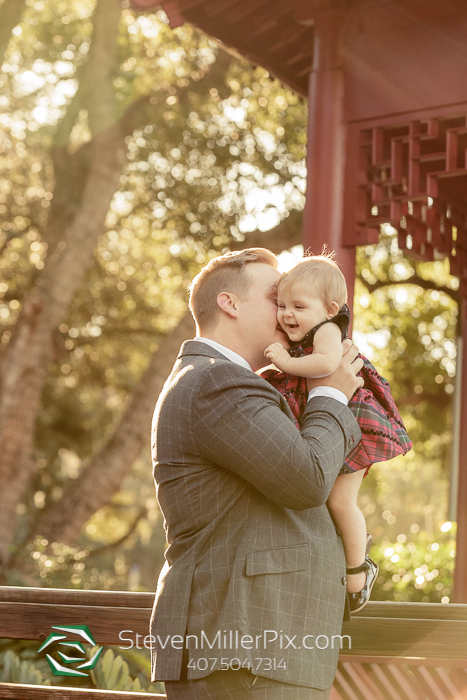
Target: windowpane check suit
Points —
{"points": [[251, 545]]}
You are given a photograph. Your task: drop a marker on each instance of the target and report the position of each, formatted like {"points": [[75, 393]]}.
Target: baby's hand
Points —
{"points": [[278, 355]]}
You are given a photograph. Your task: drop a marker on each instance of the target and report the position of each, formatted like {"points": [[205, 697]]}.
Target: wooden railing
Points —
{"points": [[400, 651]]}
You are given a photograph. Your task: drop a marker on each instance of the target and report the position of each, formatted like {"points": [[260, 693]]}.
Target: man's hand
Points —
{"points": [[278, 355], [345, 377]]}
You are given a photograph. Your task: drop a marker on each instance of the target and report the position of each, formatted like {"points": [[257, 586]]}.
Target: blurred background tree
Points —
{"points": [[406, 320], [130, 155]]}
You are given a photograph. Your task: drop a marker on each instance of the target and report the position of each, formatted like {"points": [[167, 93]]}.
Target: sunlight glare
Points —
{"points": [[289, 258]]}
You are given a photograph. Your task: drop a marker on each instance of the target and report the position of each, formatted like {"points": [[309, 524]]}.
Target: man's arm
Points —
{"points": [[240, 426]]}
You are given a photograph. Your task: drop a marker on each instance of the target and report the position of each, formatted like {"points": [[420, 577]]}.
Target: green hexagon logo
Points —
{"points": [[71, 646]]}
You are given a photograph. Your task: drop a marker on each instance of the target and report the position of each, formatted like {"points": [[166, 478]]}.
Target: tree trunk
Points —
{"points": [[10, 16], [26, 358], [104, 473], [85, 185]]}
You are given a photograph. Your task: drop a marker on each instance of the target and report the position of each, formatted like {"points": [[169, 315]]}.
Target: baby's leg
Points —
{"points": [[342, 503]]}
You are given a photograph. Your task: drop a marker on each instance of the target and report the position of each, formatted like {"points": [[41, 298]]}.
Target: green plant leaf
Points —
{"points": [[112, 673], [13, 670]]}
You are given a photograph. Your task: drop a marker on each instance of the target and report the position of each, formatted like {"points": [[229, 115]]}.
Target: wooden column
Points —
{"points": [[323, 215], [460, 571]]}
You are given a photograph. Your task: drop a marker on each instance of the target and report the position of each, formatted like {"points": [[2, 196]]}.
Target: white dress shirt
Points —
{"points": [[227, 352], [325, 391]]}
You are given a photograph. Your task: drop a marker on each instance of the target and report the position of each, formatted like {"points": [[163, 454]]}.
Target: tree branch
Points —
{"points": [[10, 15], [282, 237], [104, 472], [122, 539], [441, 401], [142, 111], [66, 124], [413, 279], [26, 358]]}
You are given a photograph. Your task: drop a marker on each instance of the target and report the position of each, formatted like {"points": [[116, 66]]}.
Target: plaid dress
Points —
{"points": [[383, 433]]}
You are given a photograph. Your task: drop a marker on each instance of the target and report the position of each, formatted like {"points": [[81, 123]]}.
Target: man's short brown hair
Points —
{"points": [[223, 274]]}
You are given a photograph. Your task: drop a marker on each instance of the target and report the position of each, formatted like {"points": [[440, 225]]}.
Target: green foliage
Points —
{"points": [[404, 495], [14, 670], [416, 568], [26, 651], [117, 669], [140, 665], [217, 151], [405, 318], [407, 313], [138, 660], [112, 673], [214, 149]]}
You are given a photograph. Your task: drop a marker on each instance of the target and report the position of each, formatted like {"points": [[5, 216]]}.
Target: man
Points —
{"points": [[254, 578]]}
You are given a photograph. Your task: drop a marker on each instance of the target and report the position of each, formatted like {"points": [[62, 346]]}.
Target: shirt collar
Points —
{"points": [[227, 352]]}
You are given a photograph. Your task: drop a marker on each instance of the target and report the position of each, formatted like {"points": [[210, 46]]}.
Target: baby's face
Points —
{"points": [[299, 309]]}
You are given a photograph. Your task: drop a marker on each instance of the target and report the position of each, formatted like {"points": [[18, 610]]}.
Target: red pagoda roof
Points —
{"points": [[410, 53], [404, 102], [275, 34]]}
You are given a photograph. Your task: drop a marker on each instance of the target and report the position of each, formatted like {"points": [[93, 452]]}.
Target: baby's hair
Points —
{"points": [[322, 274]]}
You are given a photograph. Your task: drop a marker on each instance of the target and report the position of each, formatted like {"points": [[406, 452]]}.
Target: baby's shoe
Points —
{"points": [[358, 600]]}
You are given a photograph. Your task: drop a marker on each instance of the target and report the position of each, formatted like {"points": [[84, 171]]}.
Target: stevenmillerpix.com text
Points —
{"points": [[233, 639]]}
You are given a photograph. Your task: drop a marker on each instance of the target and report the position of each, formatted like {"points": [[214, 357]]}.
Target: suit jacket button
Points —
{"points": [[344, 580]]}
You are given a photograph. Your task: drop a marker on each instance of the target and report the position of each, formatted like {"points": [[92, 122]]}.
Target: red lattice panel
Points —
{"points": [[414, 176]]}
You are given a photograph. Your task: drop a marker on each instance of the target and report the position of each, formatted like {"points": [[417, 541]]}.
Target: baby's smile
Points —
{"points": [[290, 327]]}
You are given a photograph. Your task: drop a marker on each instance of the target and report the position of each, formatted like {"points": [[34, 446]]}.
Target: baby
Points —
{"points": [[312, 310]]}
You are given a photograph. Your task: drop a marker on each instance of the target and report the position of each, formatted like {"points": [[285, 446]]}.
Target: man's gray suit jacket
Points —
{"points": [[252, 550]]}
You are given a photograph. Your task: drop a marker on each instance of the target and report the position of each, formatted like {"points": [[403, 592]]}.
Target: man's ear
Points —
{"points": [[228, 303], [333, 308]]}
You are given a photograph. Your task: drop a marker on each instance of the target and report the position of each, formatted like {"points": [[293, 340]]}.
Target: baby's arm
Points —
{"points": [[327, 354]]}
